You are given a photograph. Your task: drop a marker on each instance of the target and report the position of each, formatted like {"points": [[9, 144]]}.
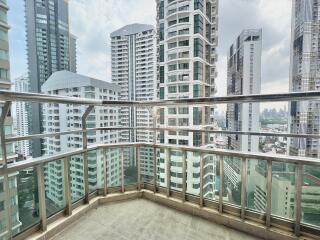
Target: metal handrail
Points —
{"points": [[18, 166], [270, 134], [42, 98]]}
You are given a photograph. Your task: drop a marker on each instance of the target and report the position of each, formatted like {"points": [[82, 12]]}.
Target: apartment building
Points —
{"points": [[187, 39], [21, 120], [133, 62], [304, 76], [50, 48], [244, 78], [57, 118]]}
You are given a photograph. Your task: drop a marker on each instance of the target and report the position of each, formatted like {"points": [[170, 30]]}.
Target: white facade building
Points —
{"points": [[187, 36], [59, 118], [305, 76], [244, 78], [133, 49], [21, 120]]}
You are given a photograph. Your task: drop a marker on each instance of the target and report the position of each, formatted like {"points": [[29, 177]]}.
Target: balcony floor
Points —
{"points": [[143, 219]]}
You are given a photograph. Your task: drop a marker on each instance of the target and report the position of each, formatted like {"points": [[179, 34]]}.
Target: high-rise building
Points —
{"points": [[73, 53], [304, 76], [50, 48], [133, 50], [21, 120], [8, 124], [244, 78], [60, 118], [187, 40]]}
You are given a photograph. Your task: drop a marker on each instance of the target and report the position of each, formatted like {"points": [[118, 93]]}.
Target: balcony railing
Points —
{"points": [[273, 190]]}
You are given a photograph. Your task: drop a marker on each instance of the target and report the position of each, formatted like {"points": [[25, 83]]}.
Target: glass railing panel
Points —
{"points": [[113, 157], [232, 180], [95, 170], [310, 202], [283, 190], [54, 187], [130, 166], [76, 178], [23, 186], [176, 165], [211, 177], [146, 165], [257, 185], [161, 167], [193, 173]]}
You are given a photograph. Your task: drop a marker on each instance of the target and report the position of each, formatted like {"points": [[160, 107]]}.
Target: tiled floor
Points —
{"points": [[142, 219]]}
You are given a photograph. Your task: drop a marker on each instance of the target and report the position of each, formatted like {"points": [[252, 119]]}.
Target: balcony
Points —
{"points": [[208, 193]]}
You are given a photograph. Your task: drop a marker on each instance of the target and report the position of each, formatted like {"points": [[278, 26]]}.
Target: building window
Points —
{"points": [[197, 115], [183, 110], [183, 88], [161, 53], [4, 74], [198, 47], [198, 4], [161, 74], [4, 55], [198, 24], [3, 16], [3, 35], [184, 43], [183, 66], [161, 10], [161, 34], [162, 116], [197, 71], [161, 93], [172, 45], [172, 67], [172, 89]]}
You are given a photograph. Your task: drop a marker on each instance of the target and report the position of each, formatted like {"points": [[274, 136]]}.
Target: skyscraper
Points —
{"points": [[187, 39], [244, 78], [59, 118], [73, 53], [304, 117], [5, 84], [21, 120], [49, 48], [133, 50], [304, 76]]}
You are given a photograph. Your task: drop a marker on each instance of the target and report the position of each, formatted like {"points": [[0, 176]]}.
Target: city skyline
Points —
{"points": [[276, 44], [91, 138]]}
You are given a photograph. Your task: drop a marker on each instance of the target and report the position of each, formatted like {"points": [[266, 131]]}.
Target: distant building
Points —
{"points": [[304, 77], [244, 78], [50, 48], [21, 121], [73, 53], [60, 118], [133, 58]]}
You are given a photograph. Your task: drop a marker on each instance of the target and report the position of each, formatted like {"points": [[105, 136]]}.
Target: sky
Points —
{"points": [[92, 21]]}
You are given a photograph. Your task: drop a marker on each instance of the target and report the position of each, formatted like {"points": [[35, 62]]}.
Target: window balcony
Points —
{"points": [[253, 195]]}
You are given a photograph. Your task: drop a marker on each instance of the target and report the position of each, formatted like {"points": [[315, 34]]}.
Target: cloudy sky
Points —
{"points": [[92, 21]]}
